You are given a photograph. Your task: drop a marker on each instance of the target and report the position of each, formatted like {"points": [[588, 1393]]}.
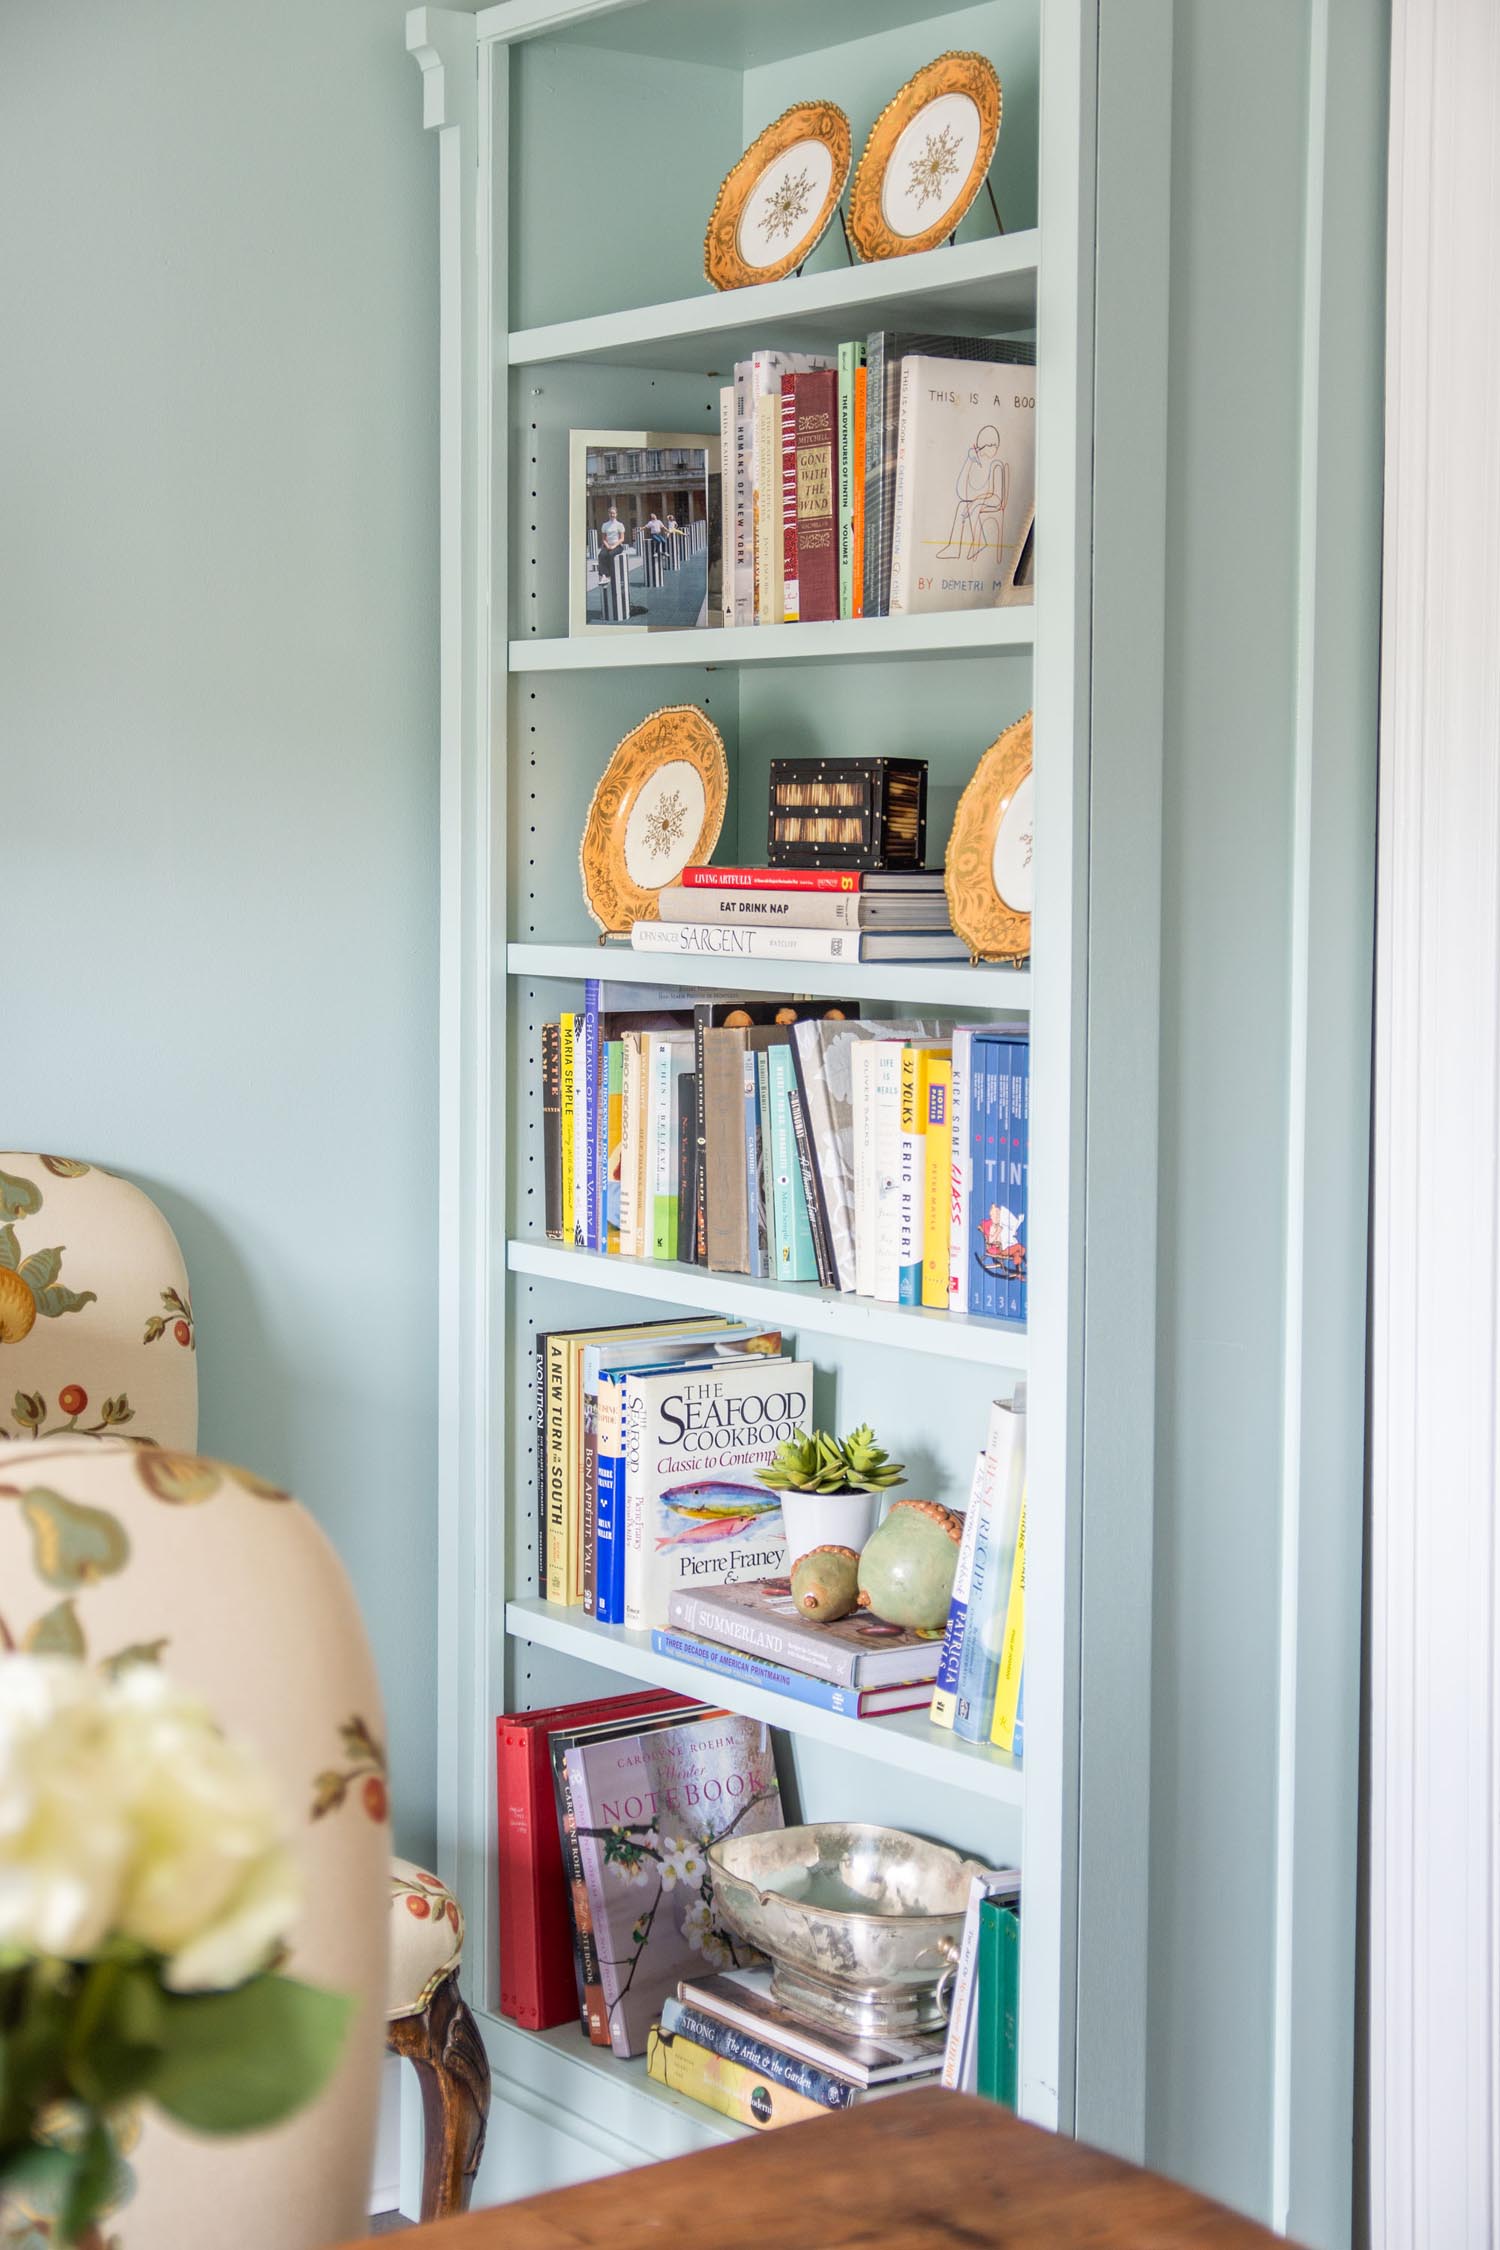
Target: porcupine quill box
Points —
{"points": [[865, 813]]}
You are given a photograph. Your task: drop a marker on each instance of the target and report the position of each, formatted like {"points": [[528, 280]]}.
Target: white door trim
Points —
{"points": [[1434, 1383]]}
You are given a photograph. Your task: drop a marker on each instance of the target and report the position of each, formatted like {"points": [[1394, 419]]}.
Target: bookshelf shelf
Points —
{"points": [[852, 640], [981, 288], [904, 1741], [936, 984], [629, 2115], [801, 1306]]}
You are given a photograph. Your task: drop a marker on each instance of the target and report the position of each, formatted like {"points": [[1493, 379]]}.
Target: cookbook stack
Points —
{"points": [[804, 914]]}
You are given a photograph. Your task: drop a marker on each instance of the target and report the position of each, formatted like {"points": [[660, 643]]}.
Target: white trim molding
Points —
{"points": [[1435, 1381]]}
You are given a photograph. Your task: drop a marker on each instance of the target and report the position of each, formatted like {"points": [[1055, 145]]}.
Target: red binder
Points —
{"points": [[538, 1987]]}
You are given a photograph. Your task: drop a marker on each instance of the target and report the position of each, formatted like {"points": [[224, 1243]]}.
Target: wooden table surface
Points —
{"points": [[922, 2171]]}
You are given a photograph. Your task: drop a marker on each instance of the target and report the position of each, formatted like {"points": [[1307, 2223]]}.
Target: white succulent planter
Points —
{"points": [[828, 1519]]}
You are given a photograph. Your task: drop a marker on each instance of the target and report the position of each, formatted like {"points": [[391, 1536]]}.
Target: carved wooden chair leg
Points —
{"points": [[453, 2072]]}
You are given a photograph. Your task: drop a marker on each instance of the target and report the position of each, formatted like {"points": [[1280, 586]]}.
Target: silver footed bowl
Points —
{"points": [[862, 1924]]}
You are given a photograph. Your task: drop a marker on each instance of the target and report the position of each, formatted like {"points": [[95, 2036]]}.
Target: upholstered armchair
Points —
{"points": [[124, 1552], [98, 1340]]}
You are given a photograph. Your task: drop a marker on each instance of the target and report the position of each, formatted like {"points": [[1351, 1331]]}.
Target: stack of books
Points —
{"points": [[648, 1440], [897, 475], [804, 914], [793, 1141], [754, 1633], [723, 2041]]}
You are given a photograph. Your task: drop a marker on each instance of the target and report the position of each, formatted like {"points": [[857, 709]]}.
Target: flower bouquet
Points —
{"points": [[146, 1890]]}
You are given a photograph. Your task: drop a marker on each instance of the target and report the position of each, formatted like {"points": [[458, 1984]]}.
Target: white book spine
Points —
{"points": [[861, 1066], [769, 551], [630, 1129], [744, 513], [958, 1201], [770, 910], [727, 942], [961, 2009], [659, 1144], [1006, 1446], [901, 515], [886, 1094], [727, 536], [635, 1510]]}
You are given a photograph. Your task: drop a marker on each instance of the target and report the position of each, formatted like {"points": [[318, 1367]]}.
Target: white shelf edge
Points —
{"points": [[937, 984], [830, 295], [801, 1306], [959, 632], [613, 2105], [905, 1741]]}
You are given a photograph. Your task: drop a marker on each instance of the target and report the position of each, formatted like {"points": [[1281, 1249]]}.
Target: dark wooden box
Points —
{"points": [[866, 813]]}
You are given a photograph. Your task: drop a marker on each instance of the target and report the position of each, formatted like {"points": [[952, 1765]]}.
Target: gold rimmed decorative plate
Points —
{"points": [[773, 208], [658, 808], [988, 872], [926, 159]]}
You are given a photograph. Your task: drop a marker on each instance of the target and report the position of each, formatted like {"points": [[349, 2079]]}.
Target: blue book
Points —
{"points": [[718, 2038], [1019, 1737], [780, 1679], [796, 1259], [1018, 1179], [985, 1296]]}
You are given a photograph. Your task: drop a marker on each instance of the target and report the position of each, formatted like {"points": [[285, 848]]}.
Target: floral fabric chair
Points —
{"points": [[118, 1552], [98, 1338], [96, 1324]]}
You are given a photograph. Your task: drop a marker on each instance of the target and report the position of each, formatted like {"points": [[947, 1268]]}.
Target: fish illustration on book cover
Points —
{"points": [[646, 1807]]}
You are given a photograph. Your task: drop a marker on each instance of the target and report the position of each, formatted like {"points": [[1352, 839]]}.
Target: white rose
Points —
{"points": [[64, 1836], [124, 1811]]}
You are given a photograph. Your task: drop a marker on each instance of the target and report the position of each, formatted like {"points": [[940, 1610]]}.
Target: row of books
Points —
{"points": [[792, 1141], [648, 1439], [605, 1814], [803, 914], [898, 475], [972, 1681]]}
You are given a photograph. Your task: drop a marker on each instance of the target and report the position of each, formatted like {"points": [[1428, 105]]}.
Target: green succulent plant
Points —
{"points": [[824, 1463]]}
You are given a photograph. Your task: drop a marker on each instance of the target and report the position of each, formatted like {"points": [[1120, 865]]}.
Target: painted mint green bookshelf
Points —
{"points": [[567, 303]]}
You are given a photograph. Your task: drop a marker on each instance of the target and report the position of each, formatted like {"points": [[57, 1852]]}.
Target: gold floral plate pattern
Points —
{"points": [[777, 201], [658, 808], [927, 157], [988, 871]]}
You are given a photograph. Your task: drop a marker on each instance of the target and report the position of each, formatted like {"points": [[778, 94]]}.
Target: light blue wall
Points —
{"points": [[217, 718]]}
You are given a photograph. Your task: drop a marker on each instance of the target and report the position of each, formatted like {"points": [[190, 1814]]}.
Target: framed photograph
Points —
{"points": [[773, 208], [928, 156], [658, 808], [987, 874], [645, 550]]}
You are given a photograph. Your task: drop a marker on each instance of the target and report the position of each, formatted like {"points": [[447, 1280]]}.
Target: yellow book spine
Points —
{"points": [[729, 2087], [566, 1045], [557, 1543], [939, 1165], [1012, 1648]]}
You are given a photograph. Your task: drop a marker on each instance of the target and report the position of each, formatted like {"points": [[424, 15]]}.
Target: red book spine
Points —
{"points": [[769, 879], [815, 493], [790, 605], [538, 1988]]}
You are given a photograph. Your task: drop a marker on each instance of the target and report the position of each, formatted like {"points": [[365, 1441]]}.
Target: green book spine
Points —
{"points": [[1007, 2087], [796, 1259], [990, 2013]]}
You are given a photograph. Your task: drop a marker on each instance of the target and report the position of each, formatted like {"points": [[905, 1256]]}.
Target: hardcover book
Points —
{"points": [[646, 1807], [965, 484], [742, 1997], [884, 354], [815, 446], [826, 1091], [789, 586], [754, 942], [552, 1130], [680, 2064], [853, 1652], [695, 1513], [537, 1983]]}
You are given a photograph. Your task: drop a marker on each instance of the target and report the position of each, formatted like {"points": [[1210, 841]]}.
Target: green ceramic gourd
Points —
{"points": [[825, 1583], [907, 1569]]}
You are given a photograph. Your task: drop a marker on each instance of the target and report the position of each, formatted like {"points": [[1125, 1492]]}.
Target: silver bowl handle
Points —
{"points": [[943, 1990]]}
